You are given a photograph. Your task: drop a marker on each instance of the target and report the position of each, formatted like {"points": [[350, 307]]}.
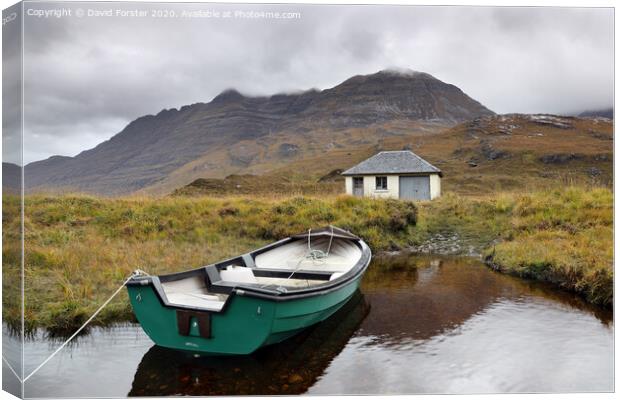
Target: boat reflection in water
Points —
{"points": [[290, 367]]}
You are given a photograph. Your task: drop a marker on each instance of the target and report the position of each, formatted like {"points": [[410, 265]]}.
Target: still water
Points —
{"points": [[418, 325]]}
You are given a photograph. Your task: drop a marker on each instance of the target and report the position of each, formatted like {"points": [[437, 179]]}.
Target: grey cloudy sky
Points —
{"points": [[86, 78]]}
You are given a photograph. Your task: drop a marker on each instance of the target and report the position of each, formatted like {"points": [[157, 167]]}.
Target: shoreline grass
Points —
{"points": [[80, 248], [562, 236]]}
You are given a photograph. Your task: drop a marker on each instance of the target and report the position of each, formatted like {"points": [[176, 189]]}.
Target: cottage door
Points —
{"points": [[414, 188], [358, 186]]}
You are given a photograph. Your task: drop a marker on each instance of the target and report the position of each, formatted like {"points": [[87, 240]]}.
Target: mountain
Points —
{"points": [[235, 133], [605, 113], [11, 177]]}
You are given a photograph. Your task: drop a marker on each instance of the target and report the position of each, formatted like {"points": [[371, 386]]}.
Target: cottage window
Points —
{"points": [[381, 182]]}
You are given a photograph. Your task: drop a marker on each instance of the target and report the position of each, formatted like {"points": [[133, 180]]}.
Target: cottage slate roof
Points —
{"points": [[393, 162]]}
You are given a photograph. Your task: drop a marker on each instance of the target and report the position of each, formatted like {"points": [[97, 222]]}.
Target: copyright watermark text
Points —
{"points": [[160, 13]]}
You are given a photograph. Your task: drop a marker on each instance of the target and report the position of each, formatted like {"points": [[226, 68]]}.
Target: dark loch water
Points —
{"points": [[422, 325]]}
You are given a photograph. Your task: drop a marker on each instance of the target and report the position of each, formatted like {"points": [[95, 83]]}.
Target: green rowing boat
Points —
{"points": [[239, 305]]}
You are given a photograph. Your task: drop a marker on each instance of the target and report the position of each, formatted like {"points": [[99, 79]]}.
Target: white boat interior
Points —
{"points": [[339, 257], [331, 256]]}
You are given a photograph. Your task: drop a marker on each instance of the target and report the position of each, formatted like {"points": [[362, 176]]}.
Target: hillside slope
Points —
{"points": [[484, 155]]}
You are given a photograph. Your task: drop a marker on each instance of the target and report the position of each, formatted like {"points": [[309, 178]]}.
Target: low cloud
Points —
{"points": [[88, 77]]}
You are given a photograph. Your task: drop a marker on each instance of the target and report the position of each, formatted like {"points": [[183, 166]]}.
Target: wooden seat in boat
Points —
{"points": [[193, 292]]}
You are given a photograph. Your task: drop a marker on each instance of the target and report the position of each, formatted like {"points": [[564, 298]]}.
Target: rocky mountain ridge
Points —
{"points": [[152, 148]]}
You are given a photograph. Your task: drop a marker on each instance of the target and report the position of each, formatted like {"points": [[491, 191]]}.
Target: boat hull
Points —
{"points": [[247, 324]]}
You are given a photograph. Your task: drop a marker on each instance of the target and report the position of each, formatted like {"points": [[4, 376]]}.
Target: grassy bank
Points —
{"points": [[79, 249], [562, 236]]}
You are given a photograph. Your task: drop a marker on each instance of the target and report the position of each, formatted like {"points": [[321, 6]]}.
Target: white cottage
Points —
{"points": [[394, 174]]}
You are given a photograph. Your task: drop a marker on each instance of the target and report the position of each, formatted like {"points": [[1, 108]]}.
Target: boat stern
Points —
{"points": [[241, 327]]}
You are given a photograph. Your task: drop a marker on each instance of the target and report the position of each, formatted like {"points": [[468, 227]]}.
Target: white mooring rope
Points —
{"points": [[312, 254], [317, 254], [11, 368], [137, 272]]}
